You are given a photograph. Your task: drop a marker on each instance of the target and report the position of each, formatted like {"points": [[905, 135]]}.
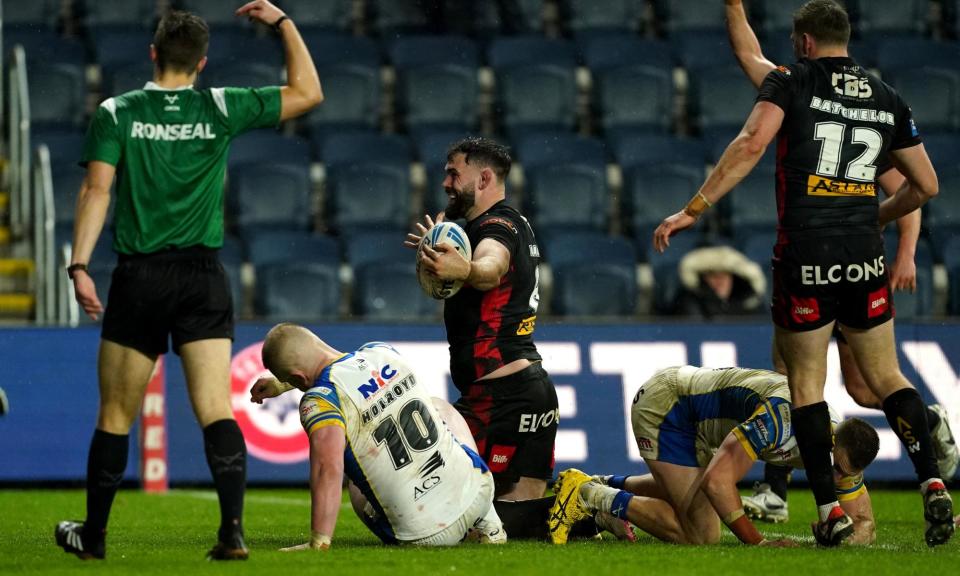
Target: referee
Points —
{"points": [[167, 144]]}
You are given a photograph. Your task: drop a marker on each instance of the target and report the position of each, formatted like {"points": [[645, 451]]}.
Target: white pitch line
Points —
{"points": [[811, 540]]}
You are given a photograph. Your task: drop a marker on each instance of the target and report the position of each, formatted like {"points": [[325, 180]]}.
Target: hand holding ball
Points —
{"points": [[443, 234]]}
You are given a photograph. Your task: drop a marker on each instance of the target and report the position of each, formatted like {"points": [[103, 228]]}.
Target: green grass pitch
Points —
{"points": [[169, 534]]}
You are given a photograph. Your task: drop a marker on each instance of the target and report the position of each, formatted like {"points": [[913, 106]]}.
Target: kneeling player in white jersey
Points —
{"points": [[415, 475], [699, 431]]}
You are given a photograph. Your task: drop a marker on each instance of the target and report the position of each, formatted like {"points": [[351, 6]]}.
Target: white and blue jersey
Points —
{"points": [[682, 416], [412, 470]]}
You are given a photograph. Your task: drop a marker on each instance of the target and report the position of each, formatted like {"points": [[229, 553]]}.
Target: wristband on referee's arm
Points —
{"points": [[74, 268], [742, 527], [319, 541], [697, 205], [276, 25]]}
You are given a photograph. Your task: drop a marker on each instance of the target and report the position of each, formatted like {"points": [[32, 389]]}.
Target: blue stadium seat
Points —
{"points": [[598, 17], [388, 291], [57, 95], [887, 17], [120, 15], [65, 146], [568, 197], [512, 51], [121, 46], [439, 97], [297, 291], [232, 257], [432, 147], [312, 15], [944, 150], [127, 77], [622, 50], [933, 94], [348, 149], [267, 145], [238, 46], [666, 279], [365, 247], [774, 17], [902, 52], [594, 274], [36, 13], [654, 191], [752, 204], [630, 150], [368, 195], [485, 20], [759, 248], [919, 304], [721, 98], [636, 98], [533, 98], [942, 214], [392, 18], [691, 15], [218, 14], [233, 251], [418, 51], [549, 149], [44, 46], [336, 49], [249, 75], [703, 50], [278, 246], [351, 102], [271, 194], [952, 262], [67, 178]]}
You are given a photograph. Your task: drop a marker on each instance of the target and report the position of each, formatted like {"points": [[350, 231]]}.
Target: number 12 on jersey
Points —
{"points": [[831, 137]]}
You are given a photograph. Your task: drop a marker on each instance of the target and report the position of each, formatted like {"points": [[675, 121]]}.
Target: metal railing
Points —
{"points": [[19, 126], [44, 249]]}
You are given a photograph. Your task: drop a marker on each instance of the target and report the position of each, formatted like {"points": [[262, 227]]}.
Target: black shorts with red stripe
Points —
{"points": [[514, 421], [842, 278]]}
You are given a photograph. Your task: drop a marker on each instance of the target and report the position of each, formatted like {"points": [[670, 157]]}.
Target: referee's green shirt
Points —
{"points": [[170, 149]]}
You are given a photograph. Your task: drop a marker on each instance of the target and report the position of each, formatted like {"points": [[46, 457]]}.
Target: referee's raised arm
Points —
{"points": [[303, 91]]}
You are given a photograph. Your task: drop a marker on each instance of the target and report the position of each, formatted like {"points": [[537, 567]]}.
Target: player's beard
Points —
{"points": [[461, 202]]}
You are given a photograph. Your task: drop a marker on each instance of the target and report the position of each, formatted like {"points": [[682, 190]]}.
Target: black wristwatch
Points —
{"points": [[276, 25], [72, 269]]}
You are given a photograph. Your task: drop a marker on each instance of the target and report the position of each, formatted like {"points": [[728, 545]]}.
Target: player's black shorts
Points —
{"points": [[514, 421], [843, 278], [180, 293]]}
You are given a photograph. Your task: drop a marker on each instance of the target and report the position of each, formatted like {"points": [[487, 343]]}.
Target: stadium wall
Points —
{"points": [[50, 377]]}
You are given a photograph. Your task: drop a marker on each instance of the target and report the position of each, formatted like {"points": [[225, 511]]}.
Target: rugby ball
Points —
{"points": [[443, 233]]}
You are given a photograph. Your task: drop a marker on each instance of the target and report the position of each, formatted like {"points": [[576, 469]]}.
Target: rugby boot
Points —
{"points": [[69, 536], [938, 513], [765, 505], [835, 530], [568, 508]]}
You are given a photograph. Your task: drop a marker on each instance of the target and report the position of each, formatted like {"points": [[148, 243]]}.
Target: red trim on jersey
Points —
{"points": [[485, 350], [781, 187], [481, 403]]}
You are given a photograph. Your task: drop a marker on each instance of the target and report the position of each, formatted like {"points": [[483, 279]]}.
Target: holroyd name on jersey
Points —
{"points": [[865, 114], [169, 132], [390, 395]]}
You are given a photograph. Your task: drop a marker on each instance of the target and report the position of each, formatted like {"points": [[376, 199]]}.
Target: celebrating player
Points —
{"points": [[769, 503], [415, 475], [169, 144], [836, 124], [700, 430], [490, 323]]}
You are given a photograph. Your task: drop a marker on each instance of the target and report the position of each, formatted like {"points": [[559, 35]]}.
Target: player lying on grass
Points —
{"points": [[700, 430], [415, 476]]}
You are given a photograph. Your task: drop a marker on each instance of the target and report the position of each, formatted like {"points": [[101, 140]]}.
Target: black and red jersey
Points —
{"points": [[487, 330], [840, 124]]}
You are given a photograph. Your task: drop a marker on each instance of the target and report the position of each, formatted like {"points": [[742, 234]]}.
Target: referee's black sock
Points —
{"points": [[105, 466], [525, 519], [777, 477], [227, 457], [908, 417], [811, 427]]}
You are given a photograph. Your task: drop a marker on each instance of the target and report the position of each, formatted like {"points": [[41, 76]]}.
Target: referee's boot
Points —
{"points": [[69, 536], [233, 549]]}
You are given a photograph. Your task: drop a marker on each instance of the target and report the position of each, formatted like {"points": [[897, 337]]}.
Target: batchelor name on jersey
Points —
{"points": [[864, 114]]}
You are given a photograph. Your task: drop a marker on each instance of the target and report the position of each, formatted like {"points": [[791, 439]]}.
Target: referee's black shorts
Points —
{"points": [[182, 294]]}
